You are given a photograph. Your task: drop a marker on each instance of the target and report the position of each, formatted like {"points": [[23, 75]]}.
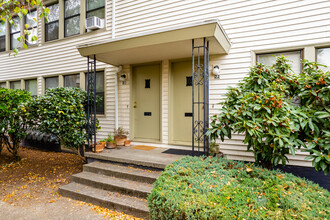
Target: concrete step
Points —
{"points": [[125, 172], [123, 186], [112, 200]]}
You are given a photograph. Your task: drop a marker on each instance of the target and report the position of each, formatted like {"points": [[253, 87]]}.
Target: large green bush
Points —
{"points": [[215, 188], [260, 107], [61, 112], [13, 118], [264, 108], [314, 93]]}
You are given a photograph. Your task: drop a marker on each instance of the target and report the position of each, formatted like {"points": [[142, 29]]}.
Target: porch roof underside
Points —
{"points": [[171, 43]]}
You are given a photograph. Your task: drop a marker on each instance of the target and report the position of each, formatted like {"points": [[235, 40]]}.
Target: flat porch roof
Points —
{"points": [[162, 44]]}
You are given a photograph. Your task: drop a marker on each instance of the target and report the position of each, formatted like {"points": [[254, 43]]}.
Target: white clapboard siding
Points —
{"points": [[250, 25]]}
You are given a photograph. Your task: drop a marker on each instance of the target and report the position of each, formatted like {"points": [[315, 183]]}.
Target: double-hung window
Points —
{"points": [[15, 32], [51, 27], [269, 59], [323, 57], [71, 17], [2, 36], [31, 86], [95, 8], [31, 21]]}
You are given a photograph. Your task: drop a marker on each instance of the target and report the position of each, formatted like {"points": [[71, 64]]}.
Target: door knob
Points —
{"points": [[135, 106]]}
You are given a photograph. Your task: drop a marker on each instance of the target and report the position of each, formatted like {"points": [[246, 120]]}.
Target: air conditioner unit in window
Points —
{"points": [[94, 23]]}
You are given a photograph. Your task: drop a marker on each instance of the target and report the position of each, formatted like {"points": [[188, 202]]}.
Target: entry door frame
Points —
{"points": [[171, 123], [131, 101]]}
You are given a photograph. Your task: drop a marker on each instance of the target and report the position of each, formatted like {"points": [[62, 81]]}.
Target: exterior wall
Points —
{"points": [[252, 27]]}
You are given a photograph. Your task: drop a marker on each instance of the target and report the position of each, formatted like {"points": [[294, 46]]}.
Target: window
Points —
{"points": [[15, 32], [268, 59], [99, 90], [323, 57], [3, 85], [72, 81], [51, 82], [95, 8], [51, 28], [2, 36], [71, 17], [15, 85], [31, 86], [31, 20]]}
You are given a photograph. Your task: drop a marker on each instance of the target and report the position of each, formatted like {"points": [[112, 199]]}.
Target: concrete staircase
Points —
{"points": [[117, 186]]}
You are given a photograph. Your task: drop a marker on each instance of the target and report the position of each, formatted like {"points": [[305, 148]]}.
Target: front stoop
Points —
{"points": [[118, 187]]}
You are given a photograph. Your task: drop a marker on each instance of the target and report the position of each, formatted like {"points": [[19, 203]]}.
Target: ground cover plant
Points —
{"points": [[264, 108], [216, 188]]}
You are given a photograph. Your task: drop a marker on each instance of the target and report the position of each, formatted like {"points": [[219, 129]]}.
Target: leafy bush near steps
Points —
{"points": [[216, 188]]}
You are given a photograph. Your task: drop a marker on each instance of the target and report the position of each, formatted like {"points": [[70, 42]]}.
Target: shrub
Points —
{"points": [[314, 93], [260, 107], [61, 112], [13, 118], [215, 188]]}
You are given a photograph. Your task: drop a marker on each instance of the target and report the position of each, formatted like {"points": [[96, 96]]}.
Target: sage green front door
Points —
{"points": [[181, 103], [146, 102]]}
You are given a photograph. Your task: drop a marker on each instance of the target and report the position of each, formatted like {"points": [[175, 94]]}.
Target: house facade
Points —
{"points": [[144, 57]]}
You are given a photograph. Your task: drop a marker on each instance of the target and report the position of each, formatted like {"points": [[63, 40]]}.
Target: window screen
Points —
{"points": [[51, 82], [3, 85], [71, 17], [323, 57], [31, 86], [15, 85], [51, 27], [270, 58], [72, 81]]}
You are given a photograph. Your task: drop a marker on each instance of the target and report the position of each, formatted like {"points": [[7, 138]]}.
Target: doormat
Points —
{"points": [[182, 152], [143, 147]]}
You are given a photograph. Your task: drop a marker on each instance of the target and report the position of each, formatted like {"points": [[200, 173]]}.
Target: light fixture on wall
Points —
{"points": [[123, 78], [216, 71]]}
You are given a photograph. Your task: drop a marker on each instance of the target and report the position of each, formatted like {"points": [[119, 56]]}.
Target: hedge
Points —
{"points": [[216, 188]]}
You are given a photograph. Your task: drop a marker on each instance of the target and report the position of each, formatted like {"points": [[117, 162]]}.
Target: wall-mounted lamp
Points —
{"points": [[123, 78], [216, 72]]}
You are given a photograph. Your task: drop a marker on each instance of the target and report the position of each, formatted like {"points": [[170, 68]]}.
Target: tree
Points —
{"points": [[13, 118], [9, 8]]}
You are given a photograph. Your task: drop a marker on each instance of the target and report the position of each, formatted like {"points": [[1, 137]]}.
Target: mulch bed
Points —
{"points": [[36, 178]]}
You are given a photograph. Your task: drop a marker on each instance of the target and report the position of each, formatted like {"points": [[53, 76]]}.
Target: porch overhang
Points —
{"points": [[171, 43]]}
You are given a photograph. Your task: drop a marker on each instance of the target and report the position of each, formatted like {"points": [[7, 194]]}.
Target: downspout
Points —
{"points": [[116, 96]]}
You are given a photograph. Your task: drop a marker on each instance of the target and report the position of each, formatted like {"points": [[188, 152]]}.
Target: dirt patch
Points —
{"points": [[33, 181]]}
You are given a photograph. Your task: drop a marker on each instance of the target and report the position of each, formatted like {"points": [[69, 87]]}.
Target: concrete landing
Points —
{"points": [[154, 158]]}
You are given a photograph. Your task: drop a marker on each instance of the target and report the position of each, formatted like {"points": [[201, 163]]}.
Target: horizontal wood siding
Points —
{"points": [[250, 25]]}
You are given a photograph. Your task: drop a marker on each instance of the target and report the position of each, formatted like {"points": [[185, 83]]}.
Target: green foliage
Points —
{"points": [[314, 92], [260, 107], [61, 112], [13, 118], [215, 188], [9, 8]]}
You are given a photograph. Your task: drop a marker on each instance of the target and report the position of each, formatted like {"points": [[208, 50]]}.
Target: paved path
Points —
{"points": [[60, 209]]}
